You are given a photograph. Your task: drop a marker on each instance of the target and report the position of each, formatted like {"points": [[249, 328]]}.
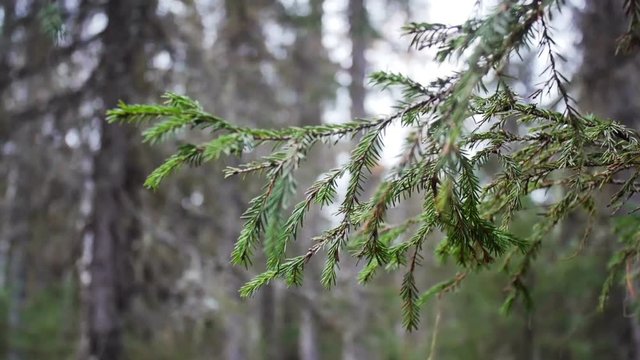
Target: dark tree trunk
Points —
{"points": [[112, 228], [19, 199], [353, 341], [312, 71], [242, 39], [609, 88], [358, 31]]}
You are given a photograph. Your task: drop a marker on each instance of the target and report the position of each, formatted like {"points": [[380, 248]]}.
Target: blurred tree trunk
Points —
{"points": [[19, 194], [117, 178], [13, 209], [609, 88], [311, 81], [242, 41], [18, 197], [308, 336], [359, 29], [353, 346]]}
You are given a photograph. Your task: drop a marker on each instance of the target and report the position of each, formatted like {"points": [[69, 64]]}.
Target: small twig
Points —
{"points": [[436, 328]]}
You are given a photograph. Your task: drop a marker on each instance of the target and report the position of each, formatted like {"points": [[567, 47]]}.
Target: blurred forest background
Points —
{"points": [[92, 266]]}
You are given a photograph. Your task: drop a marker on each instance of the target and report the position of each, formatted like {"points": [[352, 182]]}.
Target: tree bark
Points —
{"points": [[353, 346], [112, 229], [18, 196], [609, 88], [358, 31]]}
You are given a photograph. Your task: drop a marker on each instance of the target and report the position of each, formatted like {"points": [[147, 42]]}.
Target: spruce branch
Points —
{"points": [[467, 205]]}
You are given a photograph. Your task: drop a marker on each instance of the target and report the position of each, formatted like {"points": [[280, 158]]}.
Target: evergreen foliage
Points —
{"points": [[51, 22], [457, 124]]}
